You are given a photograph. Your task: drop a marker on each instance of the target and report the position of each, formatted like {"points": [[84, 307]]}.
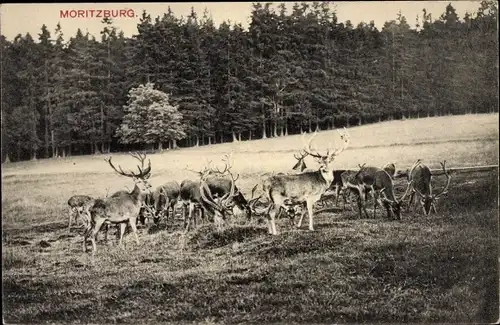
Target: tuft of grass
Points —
{"points": [[209, 237]]}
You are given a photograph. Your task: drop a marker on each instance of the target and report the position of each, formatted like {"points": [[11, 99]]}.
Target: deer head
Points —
{"points": [[300, 165]]}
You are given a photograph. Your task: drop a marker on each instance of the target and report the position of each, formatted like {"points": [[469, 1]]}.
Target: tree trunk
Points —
{"points": [[33, 154], [310, 125], [239, 136], [53, 144], [275, 128], [286, 127], [160, 146], [96, 148], [103, 149], [249, 134], [174, 144], [235, 139], [57, 152], [301, 129], [7, 159], [197, 141], [63, 152], [221, 137], [209, 140], [264, 136], [18, 152]]}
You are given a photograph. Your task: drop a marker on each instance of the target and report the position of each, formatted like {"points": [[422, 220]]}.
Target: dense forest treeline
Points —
{"points": [[187, 82]]}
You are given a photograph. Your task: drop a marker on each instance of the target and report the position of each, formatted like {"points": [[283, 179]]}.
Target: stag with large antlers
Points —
{"points": [[305, 188], [219, 206], [420, 176], [120, 209]]}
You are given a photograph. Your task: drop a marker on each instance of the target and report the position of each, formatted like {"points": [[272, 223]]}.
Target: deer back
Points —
{"points": [[295, 187], [78, 200], [421, 177], [190, 191]]}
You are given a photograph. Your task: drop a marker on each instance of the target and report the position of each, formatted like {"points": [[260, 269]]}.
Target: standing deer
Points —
{"points": [[420, 177], [79, 204], [305, 188], [121, 209]]}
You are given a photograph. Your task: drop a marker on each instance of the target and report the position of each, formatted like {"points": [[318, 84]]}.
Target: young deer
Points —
{"points": [[306, 188], [420, 177], [120, 209]]}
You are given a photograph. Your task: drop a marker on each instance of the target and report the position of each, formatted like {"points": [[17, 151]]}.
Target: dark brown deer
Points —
{"points": [[379, 183], [420, 176], [164, 199], [283, 191], [220, 202], [121, 209]]}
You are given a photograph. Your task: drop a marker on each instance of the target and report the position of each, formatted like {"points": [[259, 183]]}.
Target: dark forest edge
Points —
{"points": [[185, 82]]}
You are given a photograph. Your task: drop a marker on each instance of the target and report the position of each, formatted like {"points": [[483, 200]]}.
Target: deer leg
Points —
{"points": [[123, 226], [375, 204], [272, 220], [134, 229], [410, 201], [190, 214], [433, 207], [93, 236], [310, 204], [71, 212]]}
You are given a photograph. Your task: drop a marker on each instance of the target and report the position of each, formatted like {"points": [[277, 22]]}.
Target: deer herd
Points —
{"points": [[214, 195]]}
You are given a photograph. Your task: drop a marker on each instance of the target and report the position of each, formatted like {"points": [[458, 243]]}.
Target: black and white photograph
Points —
{"points": [[250, 162]]}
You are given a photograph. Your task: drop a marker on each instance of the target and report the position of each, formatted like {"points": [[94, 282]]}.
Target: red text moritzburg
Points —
{"points": [[97, 13]]}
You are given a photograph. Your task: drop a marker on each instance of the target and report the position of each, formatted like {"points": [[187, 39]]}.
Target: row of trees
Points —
{"points": [[192, 81]]}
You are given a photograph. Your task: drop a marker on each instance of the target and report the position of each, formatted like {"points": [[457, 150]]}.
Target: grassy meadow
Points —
{"points": [[440, 268]]}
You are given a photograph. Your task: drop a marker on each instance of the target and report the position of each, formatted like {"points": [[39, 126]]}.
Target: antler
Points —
{"points": [[329, 155], [407, 191], [253, 200], [448, 180], [307, 147], [143, 174], [226, 201]]}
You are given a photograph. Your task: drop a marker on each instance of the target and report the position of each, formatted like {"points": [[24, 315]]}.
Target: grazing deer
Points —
{"points": [[420, 177], [217, 200], [305, 188], [119, 209], [164, 199], [79, 204], [380, 184], [190, 197]]}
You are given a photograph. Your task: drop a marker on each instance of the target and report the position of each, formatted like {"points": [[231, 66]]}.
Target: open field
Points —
{"points": [[441, 268]]}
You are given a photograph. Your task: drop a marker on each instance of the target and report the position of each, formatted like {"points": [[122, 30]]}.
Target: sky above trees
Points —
{"points": [[28, 18]]}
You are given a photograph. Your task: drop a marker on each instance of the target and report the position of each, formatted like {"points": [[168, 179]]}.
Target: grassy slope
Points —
{"points": [[437, 268]]}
